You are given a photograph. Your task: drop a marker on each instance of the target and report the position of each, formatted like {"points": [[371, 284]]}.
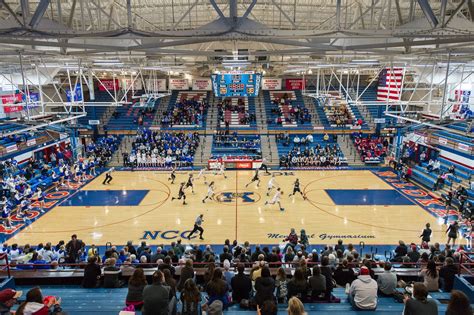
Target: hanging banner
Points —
{"points": [[30, 142], [271, 84], [178, 84], [34, 97], [76, 94], [108, 84], [294, 84], [137, 84], [156, 85], [202, 84], [442, 140], [12, 99]]}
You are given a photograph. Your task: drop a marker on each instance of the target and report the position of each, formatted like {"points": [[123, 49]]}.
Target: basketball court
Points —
{"points": [[353, 205]]}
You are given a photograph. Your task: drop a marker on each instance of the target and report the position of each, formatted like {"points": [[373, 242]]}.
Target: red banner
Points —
{"points": [[294, 84], [108, 84], [12, 99]]}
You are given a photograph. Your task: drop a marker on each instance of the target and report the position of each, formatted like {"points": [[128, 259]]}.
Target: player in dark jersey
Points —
{"points": [[181, 194], [296, 188], [189, 183], [254, 179], [172, 176]]}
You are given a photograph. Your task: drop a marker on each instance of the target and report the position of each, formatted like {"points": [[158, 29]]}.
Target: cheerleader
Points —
{"points": [[276, 199], [92, 165], [23, 209], [77, 173], [153, 160], [84, 170], [28, 194], [210, 192], [55, 179], [40, 199], [67, 176], [6, 209], [139, 159]]}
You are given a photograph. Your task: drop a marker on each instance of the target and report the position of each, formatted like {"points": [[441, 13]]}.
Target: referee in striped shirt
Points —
{"points": [[197, 227]]}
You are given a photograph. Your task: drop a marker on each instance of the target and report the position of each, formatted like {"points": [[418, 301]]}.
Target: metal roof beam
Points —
{"points": [[39, 13], [428, 12]]}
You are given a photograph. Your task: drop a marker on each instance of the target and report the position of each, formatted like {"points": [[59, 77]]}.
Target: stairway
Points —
{"points": [[203, 152], [260, 115], [162, 107], [269, 149], [309, 104], [105, 118], [124, 147], [211, 121], [350, 152]]}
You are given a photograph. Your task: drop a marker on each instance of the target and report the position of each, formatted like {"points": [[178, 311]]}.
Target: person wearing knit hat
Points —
{"points": [[8, 298], [363, 291]]}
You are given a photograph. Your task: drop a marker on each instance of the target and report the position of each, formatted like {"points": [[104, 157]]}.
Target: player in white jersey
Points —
{"points": [[202, 173], [222, 169], [271, 184], [210, 192], [276, 199]]}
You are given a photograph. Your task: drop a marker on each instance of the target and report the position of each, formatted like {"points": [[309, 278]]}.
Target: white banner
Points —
{"points": [[154, 85], [137, 84], [442, 140], [464, 147], [30, 142], [272, 84], [178, 84], [11, 148], [202, 84]]}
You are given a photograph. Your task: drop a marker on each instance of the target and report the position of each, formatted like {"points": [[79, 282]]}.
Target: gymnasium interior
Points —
{"points": [[206, 143]]}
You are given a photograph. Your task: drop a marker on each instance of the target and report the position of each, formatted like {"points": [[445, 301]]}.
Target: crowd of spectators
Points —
{"points": [[245, 117], [304, 153], [224, 277], [371, 147], [185, 112], [298, 114], [246, 143], [102, 148], [162, 149], [339, 115]]}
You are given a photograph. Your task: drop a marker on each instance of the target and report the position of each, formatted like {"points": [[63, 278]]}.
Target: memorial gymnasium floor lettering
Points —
{"points": [[374, 207]]}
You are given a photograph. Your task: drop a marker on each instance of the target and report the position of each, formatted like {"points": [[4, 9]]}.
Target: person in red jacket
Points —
{"points": [[292, 240], [36, 305]]}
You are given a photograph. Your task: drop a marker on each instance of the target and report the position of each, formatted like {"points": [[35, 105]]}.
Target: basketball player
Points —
{"points": [[221, 169], [296, 188], [108, 177], [189, 183], [271, 184], [181, 193], [172, 175], [254, 179], [202, 173], [276, 199], [197, 227], [210, 192]]}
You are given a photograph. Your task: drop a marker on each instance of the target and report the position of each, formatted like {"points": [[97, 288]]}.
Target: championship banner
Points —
{"points": [[178, 84], [271, 84], [294, 84], [11, 148], [158, 85], [30, 142], [137, 84], [12, 99], [108, 84], [202, 84], [76, 94], [464, 147]]}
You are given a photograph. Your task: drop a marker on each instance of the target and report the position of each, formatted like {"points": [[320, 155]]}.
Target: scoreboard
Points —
{"points": [[236, 84]]}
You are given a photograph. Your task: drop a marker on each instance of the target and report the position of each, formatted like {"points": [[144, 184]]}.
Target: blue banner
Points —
{"points": [[77, 94]]}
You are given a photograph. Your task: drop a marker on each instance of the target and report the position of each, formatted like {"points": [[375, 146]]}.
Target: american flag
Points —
{"points": [[390, 84]]}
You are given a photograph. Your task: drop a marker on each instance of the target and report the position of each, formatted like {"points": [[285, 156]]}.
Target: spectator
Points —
{"points": [[241, 285], [295, 307], [447, 273], [8, 298], [430, 276], [327, 273], [459, 304], [190, 298], [264, 287], [292, 239], [298, 285], [281, 284], [35, 304], [344, 274], [112, 274], [269, 308], [73, 247], [156, 296], [317, 283], [136, 284], [363, 291], [217, 288], [169, 281], [92, 273], [387, 281], [187, 272], [420, 304]]}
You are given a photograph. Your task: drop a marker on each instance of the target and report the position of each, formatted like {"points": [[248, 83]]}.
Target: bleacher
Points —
{"points": [[96, 112], [236, 117], [178, 96], [127, 116], [295, 100], [460, 126], [238, 145]]}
